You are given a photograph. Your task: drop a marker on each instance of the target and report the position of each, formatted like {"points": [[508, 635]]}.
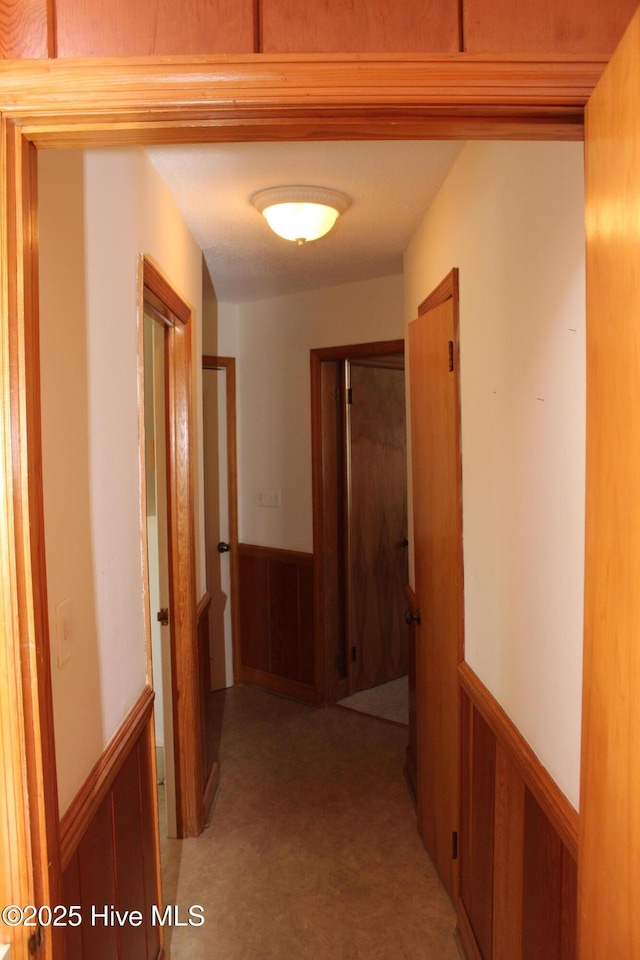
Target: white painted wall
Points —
{"points": [[98, 211], [272, 342], [511, 217]]}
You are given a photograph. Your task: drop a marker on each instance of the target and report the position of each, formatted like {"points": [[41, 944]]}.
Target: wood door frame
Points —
{"points": [[228, 364], [317, 358], [102, 102], [187, 733]]}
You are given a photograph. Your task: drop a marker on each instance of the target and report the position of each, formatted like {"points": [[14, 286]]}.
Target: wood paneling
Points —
{"points": [[111, 847], [276, 620], [117, 28], [477, 827], [609, 862], [410, 765], [587, 27], [517, 876], [25, 29], [359, 26], [437, 529]]}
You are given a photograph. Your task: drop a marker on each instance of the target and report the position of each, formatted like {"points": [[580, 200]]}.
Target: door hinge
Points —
{"points": [[450, 356], [454, 845], [163, 616], [354, 654], [349, 395]]}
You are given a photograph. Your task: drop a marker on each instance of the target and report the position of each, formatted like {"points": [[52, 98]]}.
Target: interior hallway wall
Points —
{"points": [[511, 217], [98, 210], [272, 339]]}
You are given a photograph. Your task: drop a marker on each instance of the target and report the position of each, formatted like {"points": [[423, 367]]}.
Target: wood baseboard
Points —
{"points": [[467, 942], [560, 812], [77, 819], [280, 685]]}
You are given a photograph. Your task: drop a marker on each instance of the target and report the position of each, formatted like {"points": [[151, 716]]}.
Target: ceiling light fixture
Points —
{"points": [[300, 213]]}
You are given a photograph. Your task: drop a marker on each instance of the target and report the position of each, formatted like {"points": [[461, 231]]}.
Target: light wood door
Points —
{"points": [[437, 529], [378, 570], [609, 852]]}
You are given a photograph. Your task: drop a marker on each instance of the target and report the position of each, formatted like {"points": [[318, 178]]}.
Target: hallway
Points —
{"points": [[313, 849]]}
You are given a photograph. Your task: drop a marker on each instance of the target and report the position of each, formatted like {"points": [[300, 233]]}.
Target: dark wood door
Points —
{"points": [[435, 439], [378, 570]]}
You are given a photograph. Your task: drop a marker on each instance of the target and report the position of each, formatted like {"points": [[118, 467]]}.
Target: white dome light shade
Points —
{"points": [[300, 213]]}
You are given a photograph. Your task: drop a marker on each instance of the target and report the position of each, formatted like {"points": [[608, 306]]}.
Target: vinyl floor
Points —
{"points": [[312, 850]]}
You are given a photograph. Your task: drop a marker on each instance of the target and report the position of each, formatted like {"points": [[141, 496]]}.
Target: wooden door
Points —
{"points": [[378, 570], [609, 851], [437, 529]]}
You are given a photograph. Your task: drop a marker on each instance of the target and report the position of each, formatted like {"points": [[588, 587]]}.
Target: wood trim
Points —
{"points": [[203, 607], [78, 817], [561, 814], [186, 692], [447, 288], [229, 365], [211, 789], [274, 553], [316, 358], [98, 101], [465, 934], [286, 688]]}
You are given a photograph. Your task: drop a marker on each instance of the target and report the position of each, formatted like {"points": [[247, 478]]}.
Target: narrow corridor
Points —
{"points": [[312, 850]]}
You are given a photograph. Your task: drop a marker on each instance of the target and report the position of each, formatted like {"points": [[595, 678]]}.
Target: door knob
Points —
{"points": [[223, 547], [413, 617]]}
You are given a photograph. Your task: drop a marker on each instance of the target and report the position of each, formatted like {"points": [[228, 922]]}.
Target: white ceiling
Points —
{"points": [[391, 185]]}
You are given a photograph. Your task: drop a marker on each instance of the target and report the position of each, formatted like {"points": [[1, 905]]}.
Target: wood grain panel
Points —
{"points": [[542, 885], [359, 26], [116, 28], [96, 862], [508, 859], [71, 896], [150, 835], [587, 27], [609, 861], [569, 907], [129, 855], [410, 766], [378, 567], [306, 646], [477, 829], [283, 619], [25, 29], [437, 496], [254, 613]]}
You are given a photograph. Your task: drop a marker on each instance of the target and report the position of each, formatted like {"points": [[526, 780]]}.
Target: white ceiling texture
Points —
{"points": [[391, 185]]}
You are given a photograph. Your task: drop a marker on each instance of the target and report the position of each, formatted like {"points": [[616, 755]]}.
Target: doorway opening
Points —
{"points": [[360, 515]]}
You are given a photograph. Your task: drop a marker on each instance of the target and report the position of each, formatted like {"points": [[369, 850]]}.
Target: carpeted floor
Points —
{"points": [[312, 851], [388, 700]]}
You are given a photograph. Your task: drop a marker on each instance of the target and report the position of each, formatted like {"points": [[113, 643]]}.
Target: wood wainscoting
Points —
{"points": [[109, 846], [276, 621], [518, 842]]}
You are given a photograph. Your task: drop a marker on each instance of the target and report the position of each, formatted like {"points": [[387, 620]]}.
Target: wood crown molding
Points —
{"points": [[561, 814], [77, 818], [79, 101]]}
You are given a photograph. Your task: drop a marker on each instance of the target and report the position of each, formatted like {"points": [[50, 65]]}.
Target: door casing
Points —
{"points": [[85, 103]]}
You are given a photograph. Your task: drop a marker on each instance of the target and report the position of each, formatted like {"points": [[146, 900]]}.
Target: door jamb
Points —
{"points": [[184, 653], [228, 364], [85, 103]]}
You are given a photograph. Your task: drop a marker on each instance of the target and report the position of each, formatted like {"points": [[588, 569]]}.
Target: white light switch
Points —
{"points": [[269, 498], [63, 630]]}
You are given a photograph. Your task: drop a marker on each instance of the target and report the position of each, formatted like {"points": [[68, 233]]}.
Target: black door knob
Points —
{"points": [[223, 547], [412, 617]]}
